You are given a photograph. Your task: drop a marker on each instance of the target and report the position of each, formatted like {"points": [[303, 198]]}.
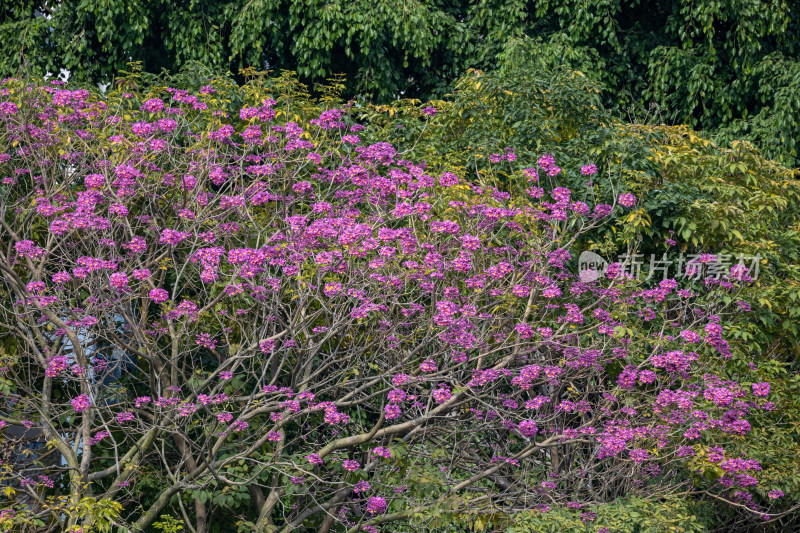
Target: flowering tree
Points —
{"points": [[216, 313]]}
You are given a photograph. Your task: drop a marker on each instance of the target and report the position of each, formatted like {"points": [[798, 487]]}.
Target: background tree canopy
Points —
{"points": [[730, 68]]}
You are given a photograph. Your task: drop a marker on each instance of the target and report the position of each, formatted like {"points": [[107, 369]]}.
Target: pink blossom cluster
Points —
{"points": [[240, 294]]}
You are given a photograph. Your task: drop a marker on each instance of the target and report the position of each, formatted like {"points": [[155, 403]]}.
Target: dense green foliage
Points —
{"points": [[730, 68], [625, 516]]}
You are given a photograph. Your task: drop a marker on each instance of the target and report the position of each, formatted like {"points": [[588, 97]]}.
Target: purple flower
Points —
{"points": [[125, 416], [627, 200], [61, 277], [56, 365], [8, 108], [448, 179], [94, 181], [428, 365], [141, 274], [239, 425], [376, 505], [647, 376], [172, 237], [528, 429], [351, 465], [602, 211], [719, 395], [81, 403], [639, 456], [267, 345], [28, 249], [382, 452], [159, 295], [36, 287], [205, 340], [154, 105], [142, 400], [332, 289], [97, 437], [392, 411], [690, 336], [361, 486], [119, 281], [314, 459]]}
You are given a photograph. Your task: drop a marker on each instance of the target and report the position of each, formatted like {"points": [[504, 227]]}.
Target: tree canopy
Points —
{"points": [[241, 306], [727, 67]]}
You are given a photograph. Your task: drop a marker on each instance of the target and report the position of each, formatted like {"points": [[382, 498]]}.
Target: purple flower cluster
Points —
{"points": [[627, 200], [350, 465], [376, 505], [234, 257], [80, 403]]}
